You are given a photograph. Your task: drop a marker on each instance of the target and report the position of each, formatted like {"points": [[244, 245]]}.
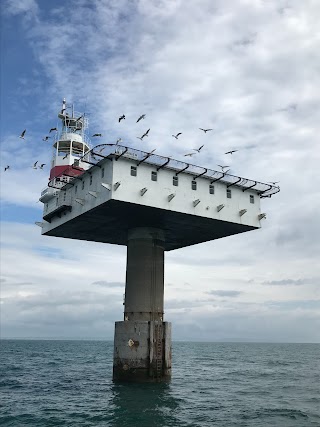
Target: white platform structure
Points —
{"points": [[152, 204]]}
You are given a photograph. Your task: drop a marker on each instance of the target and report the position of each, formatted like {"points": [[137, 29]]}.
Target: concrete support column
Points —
{"points": [[142, 344], [145, 274]]}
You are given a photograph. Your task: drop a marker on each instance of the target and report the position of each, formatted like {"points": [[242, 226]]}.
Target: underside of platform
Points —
{"points": [[110, 222]]}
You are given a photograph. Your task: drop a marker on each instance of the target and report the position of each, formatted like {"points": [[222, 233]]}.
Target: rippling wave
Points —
{"points": [[68, 383]]}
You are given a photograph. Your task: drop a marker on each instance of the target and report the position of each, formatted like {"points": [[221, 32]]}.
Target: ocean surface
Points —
{"points": [[68, 383]]}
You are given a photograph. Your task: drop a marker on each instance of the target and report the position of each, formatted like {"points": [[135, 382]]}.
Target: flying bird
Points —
{"points": [[141, 117], [6, 168], [52, 129], [121, 118], [35, 165], [96, 134], [222, 167], [22, 134], [41, 166], [205, 130], [145, 134], [118, 140], [189, 154], [149, 154], [231, 151], [198, 149], [274, 182], [46, 138], [65, 156], [176, 136]]}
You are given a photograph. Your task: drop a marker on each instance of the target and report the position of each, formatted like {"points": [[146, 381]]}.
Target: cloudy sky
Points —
{"points": [[249, 69]]}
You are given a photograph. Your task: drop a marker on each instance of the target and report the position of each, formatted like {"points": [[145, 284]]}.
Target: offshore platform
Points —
{"points": [[120, 195]]}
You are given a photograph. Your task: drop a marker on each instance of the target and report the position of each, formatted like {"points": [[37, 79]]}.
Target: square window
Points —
{"points": [[228, 193], [194, 185], [154, 176], [102, 173], [251, 198], [211, 189], [133, 171], [175, 181]]}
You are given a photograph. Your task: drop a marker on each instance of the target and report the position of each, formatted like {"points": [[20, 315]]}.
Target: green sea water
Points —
{"points": [[69, 383]]}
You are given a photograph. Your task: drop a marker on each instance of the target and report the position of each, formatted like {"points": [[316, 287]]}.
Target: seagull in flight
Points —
{"points": [[222, 167], [205, 130], [198, 149], [22, 134], [145, 134], [149, 154], [6, 168], [35, 165], [189, 154], [52, 129], [41, 166], [141, 117], [231, 151], [176, 136], [121, 118], [96, 134], [273, 182], [118, 140], [46, 138]]}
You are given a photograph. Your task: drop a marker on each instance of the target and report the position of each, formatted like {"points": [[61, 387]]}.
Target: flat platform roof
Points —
{"points": [[110, 222]]}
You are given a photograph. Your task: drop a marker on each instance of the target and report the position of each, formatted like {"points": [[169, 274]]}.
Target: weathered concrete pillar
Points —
{"points": [[142, 342]]}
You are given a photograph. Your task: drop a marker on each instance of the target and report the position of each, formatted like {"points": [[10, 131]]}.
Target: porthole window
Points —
{"points": [[228, 193], [211, 189], [194, 185], [251, 198], [175, 181], [133, 171], [102, 173], [154, 176]]}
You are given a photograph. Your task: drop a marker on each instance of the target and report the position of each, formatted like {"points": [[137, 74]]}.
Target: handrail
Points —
{"points": [[178, 166]]}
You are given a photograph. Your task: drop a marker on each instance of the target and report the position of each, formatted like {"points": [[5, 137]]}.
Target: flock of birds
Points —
{"points": [[22, 135], [176, 136], [145, 134]]}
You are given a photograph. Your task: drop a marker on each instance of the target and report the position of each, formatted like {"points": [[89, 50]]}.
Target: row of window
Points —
{"points": [[175, 182]]}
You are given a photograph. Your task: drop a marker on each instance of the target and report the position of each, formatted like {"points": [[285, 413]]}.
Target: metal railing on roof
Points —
{"points": [[103, 151]]}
